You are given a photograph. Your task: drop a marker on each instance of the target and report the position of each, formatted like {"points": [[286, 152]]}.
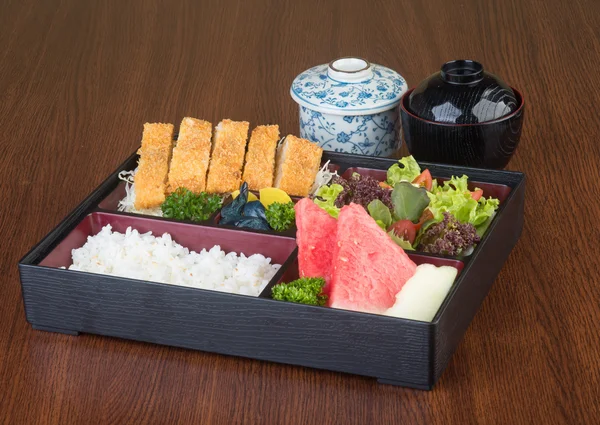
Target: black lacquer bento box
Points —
{"points": [[395, 351]]}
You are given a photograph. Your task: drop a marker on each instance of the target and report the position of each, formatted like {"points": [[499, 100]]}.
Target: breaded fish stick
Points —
{"points": [[260, 158], [298, 162], [155, 154], [191, 156], [229, 148]]}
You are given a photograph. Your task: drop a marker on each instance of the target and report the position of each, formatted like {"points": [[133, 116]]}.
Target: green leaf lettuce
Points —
{"points": [[380, 213], [408, 172], [454, 196], [409, 201], [404, 244], [325, 198]]}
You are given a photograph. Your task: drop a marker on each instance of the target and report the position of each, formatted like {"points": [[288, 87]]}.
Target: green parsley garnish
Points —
{"points": [[280, 216], [307, 290], [186, 205]]}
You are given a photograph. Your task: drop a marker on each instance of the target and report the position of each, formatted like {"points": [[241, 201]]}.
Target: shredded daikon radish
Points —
{"points": [[322, 178], [127, 204]]}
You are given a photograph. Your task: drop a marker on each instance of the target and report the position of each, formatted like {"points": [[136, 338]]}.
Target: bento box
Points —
{"points": [[393, 350]]}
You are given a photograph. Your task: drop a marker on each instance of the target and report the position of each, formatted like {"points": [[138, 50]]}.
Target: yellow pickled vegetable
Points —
{"points": [[269, 195], [251, 196]]}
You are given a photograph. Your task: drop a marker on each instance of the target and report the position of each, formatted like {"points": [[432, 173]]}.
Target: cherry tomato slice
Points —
{"points": [[404, 229], [424, 179], [477, 194], [425, 216]]}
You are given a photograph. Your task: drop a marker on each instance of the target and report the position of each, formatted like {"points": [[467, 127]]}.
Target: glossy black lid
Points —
{"points": [[462, 93]]}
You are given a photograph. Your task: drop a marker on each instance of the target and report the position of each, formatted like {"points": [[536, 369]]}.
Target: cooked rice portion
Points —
{"points": [[160, 259]]}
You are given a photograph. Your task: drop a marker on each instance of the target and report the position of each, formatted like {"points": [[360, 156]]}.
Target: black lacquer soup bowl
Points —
{"points": [[463, 115]]}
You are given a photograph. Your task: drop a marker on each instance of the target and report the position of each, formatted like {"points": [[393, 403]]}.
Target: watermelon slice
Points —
{"points": [[315, 238], [369, 269]]}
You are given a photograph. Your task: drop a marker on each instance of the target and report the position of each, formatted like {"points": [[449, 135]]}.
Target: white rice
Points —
{"points": [[160, 259]]}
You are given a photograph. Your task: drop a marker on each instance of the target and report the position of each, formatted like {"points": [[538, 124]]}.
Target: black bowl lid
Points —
{"points": [[462, 93]]}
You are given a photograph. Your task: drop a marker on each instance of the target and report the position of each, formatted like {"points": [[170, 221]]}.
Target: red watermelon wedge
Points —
{"points": [[315, 238], [369, 269]]}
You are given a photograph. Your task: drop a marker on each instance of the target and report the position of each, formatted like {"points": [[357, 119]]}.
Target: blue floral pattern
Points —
{"points": [[314, 87], [375, 135]]}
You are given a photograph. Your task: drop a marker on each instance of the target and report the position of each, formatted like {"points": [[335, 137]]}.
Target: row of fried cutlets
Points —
{"points": [[200, 162]]}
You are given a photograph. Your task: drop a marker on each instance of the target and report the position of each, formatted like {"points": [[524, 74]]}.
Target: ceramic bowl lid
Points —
{"points": [[462, 93], [349, 86]]}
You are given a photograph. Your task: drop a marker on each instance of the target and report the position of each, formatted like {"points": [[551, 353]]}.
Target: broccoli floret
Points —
{"points": [[280, 216], [306, 290], [186, 205]]}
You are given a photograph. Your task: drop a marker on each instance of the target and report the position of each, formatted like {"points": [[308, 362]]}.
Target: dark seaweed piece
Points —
{"points": [[252, 223], [233, 211], [255, 209]]}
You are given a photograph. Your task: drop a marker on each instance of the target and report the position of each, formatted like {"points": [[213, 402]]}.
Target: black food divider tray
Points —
{"points": [[395, 351]]}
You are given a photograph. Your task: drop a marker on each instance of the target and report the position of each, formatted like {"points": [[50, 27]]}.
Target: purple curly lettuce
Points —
{"points": [[449, 237], [361, 190]]}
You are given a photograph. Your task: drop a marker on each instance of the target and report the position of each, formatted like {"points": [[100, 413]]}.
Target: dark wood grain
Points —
{"points": [[78, 80]]}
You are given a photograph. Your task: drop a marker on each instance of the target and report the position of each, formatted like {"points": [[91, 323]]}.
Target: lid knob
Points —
{"points": [[462, 72], [350, 70]]}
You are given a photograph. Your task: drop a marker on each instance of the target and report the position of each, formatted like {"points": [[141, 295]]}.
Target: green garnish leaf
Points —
{"points": [[409, 201], [306, 290], [403, 243], [280, 216], [484, 226], [426, 225], [380, 213], [408, 172], [325, 198], [184, 204]]}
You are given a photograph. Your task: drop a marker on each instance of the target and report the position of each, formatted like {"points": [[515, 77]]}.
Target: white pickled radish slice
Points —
{"points": [[423, 294]]}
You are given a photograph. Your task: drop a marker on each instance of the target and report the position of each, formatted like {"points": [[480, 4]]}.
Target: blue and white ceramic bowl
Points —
{"points": [[350, 105]]}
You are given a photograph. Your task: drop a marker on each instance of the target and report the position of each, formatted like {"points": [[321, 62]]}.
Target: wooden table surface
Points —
{"points": [[79, 78]]}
